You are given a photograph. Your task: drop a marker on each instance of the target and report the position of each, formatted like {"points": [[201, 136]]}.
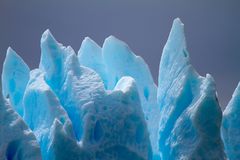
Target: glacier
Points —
{"points": [[103, 104]]}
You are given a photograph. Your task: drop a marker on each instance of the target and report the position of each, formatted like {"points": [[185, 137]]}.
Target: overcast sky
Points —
{"points": [[211, 27]]}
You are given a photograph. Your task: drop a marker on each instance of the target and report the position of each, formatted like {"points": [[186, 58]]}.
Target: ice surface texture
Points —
{"points": [[102, 104]]}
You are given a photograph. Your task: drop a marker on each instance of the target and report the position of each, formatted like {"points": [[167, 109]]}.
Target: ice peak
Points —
{"points": [[117, 47], [10, 51], [177, 37], [15, 76], [114, 41], [47, 36], [182, 95], [112, 38], [12, 55], [89, 41], [175, 48], [89, 50]]}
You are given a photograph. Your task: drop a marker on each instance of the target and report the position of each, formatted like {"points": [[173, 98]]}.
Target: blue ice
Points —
{"points": [[230, 126], [102, 104], [190, 115], [15, 76], [17, 141]]}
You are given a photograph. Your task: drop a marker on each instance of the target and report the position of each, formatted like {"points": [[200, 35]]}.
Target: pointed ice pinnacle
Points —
{"points": [[120, 61], [185, 132], [42, 108], [15, 77], [74, 85], [54, 57], [230, 126], [90, 55], [17, 142]]}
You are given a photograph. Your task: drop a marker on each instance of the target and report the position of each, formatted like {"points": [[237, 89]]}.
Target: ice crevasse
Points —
{"points": [[102, 104]]}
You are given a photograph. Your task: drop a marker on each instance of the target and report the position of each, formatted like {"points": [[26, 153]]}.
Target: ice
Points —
{"points": [[103, 104], [116, 60], [106, 123], [15, 76], [230, 126], [17, 142], [90, 55], [43, 111], [74, 85], [184, 97], [115, 126]]}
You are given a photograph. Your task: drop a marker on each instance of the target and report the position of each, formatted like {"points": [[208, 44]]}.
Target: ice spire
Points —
{"points": [[67, 79], [184, 97], [15, 77], [120, 61], [90, 55], [54, 57], [42, 110]]}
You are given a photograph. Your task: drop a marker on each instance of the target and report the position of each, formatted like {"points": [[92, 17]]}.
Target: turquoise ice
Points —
{"points": [[17, 142], [44, 113], [114, 61], [15, 76], [190, 115], [115, 126], [102, 104], [100, 118], [73, 84], [90, 55], [230, 126]]}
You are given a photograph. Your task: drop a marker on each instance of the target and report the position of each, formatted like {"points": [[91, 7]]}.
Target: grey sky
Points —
{"points": [[211, 27]]}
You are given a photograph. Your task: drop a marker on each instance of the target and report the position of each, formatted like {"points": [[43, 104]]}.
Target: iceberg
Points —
{"points": [[102, 104], [230, 126]]}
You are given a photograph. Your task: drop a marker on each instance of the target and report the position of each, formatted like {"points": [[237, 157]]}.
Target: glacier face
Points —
{"points": [[102, 104]]}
